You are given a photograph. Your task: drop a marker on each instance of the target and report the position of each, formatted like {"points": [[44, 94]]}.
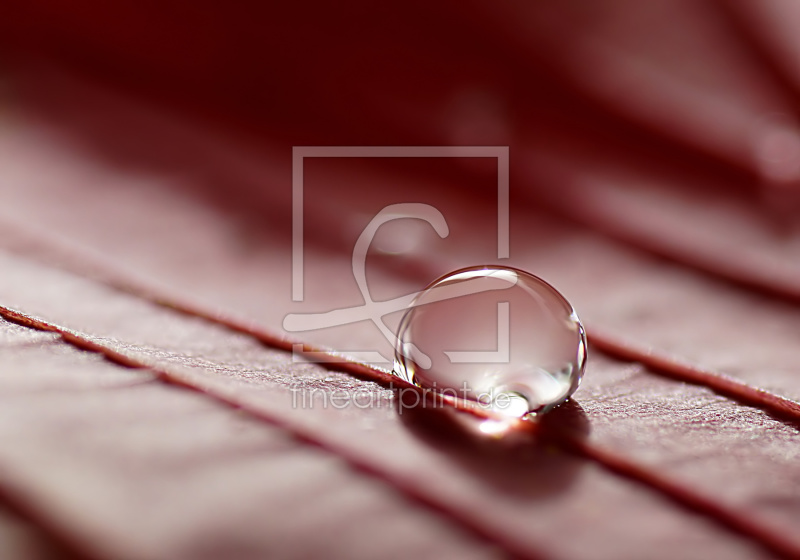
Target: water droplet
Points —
{"points": [[495, 335]]}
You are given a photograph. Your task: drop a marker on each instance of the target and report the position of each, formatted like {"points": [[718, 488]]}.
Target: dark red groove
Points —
{"points": [[730, 274], [63, 540], [169, 377], [771, 540], [657, 363], [699, 261], [660, 364], [664, 365]]}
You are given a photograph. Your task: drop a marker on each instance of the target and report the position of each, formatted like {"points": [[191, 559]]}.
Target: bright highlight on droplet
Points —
{"points": [[495, 335]]}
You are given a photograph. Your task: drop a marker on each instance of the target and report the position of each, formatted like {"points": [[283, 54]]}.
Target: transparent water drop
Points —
{"points": [[495, 335]]}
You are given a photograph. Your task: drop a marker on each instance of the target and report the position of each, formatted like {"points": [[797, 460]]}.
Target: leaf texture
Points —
{"points": [[151, 408]]}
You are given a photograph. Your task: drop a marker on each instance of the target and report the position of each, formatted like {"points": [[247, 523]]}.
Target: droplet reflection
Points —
{"points": [[495, 335]]}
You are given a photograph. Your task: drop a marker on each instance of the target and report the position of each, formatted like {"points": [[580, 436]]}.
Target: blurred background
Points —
{"points": [[654, 162], [669, 126]]}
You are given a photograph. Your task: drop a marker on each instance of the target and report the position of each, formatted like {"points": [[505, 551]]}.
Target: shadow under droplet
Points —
{"points": [[518, 462]]}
